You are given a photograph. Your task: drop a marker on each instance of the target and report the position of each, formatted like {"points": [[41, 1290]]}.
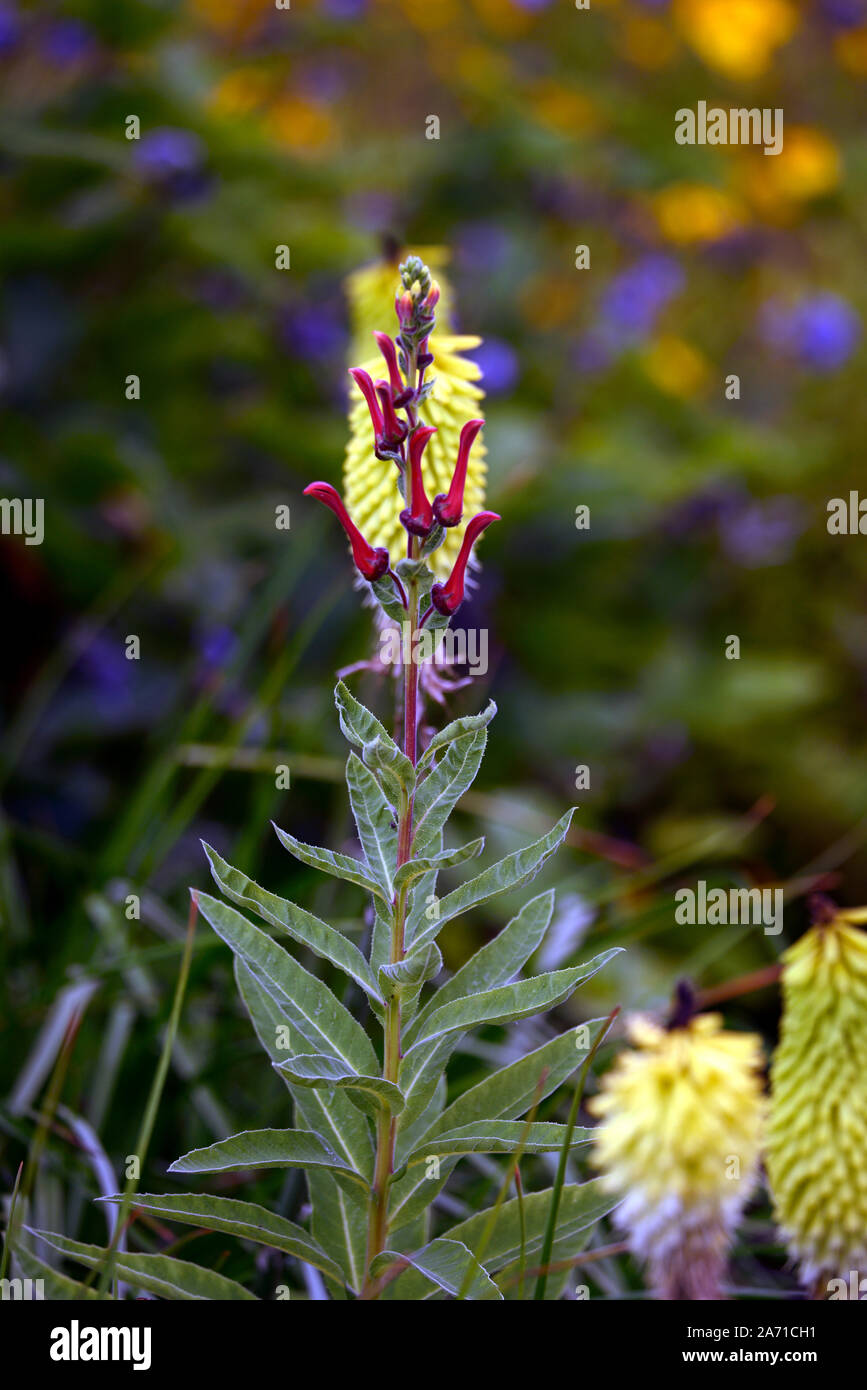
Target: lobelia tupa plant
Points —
{"points": [[375, 1130]]}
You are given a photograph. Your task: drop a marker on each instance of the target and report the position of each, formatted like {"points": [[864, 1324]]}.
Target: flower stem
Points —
{"points": [[386, 1129]]}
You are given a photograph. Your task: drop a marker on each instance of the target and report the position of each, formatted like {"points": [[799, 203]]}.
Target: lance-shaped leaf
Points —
{"points": [[305, 1001], [375, 820], [58, 1288], [162, 1275], [521, 1227], [358, 724], [411, 972], [495, 963], [394, 770], [505, 1094], [386, 596], [508, 1002], [372, 1094], [446, 1263], [446, 859], [243, 1219], [512, 872], [468, 724], [338, 865], [437, 795], [497, 1137], [267, 1148], [300, 925]]}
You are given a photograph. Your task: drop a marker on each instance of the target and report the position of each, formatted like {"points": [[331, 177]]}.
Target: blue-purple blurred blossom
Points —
{"points": [[844, 14], [217, 646], [532, 4], [821, 331], [68, 41], [10, 28], [763, 532], [499, 364], [631, 305], [314, 332], [482, 245], [344, 9], [173, 159]]}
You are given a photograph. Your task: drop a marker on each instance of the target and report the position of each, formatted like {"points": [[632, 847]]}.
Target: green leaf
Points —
{"points": [[512, 872], [497, 1137], [338, 865], [266, 1148], [496, 962], [446, 1264], [469, 724], [339, 1216], [300, 925], [446, 859], [242, 1219], [393, 768], [439, 792], [159, 1274], [374, 817], [307, 1004], [411, 972], [508, 1002], [387, 597], [59, 1288], [358, 724], [371, 1093]]}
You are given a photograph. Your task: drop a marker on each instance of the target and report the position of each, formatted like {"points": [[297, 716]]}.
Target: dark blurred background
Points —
{"points": [[606, 387]]}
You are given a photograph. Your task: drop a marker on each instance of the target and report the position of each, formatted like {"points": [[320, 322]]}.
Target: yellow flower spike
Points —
{"points": [[369, 483], [817, 1133], [680, 1130]]}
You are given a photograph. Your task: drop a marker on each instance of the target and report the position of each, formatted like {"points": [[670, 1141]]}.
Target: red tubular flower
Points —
{"points": [[368, 390], [393, 432], [371, 563], [389, 352], [418, 516], [449, 510], [447, 598]]}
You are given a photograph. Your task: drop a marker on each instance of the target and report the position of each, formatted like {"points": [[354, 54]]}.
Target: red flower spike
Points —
{"points": [[447, 598], [449, 510], [371, 563], [389, 352], [365, 385], [393, 432], [418, 516]]}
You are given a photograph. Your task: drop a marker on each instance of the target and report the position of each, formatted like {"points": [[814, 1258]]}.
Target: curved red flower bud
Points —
{"points": [[418, 516], [393, 431], [447, 598], [449, 510], [365, 385], [371, 563], [389, 352]]}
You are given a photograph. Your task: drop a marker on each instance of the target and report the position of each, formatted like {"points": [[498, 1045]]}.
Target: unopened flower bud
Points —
{"points": [[394, 432]]}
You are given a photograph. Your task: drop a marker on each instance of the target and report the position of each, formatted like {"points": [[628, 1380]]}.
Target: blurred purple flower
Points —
{"points": [[630, 306], [345, 9], [173, 160], [482, 245], [217, 646], [67, 41], [314, 332], [821, 331], [10, 28], [499, 364], [762, 532], [844, 14], [532, 4]]}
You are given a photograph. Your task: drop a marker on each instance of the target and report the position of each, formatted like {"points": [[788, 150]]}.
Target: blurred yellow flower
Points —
{"points": [[563, 108], [850, 49], [681, 1115], [817, 1134], [242, 91], [675, 366], [301, 126], [736, 37], [647, 42], [808, 167], [695, 212], [370, 484]]}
